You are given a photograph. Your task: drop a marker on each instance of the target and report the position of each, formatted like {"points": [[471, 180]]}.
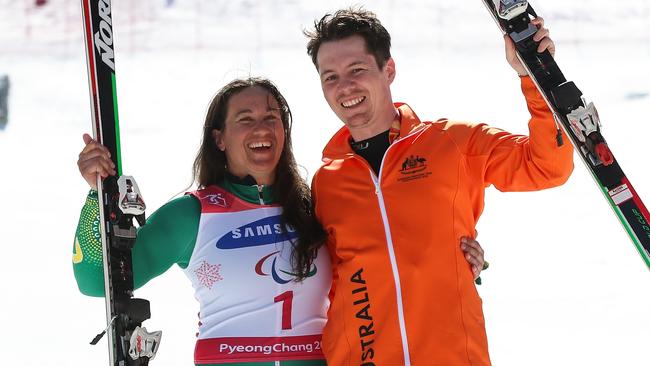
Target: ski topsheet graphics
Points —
{"points": [[578, 119], [119, 199]]}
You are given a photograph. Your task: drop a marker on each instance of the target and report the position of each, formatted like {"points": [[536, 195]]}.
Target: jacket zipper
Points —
{"points": [[391, 252], [389, 244], [393, 263], [260, 189]]}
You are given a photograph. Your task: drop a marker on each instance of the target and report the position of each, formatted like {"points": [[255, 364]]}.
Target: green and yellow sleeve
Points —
{"points": [[168, 238]]}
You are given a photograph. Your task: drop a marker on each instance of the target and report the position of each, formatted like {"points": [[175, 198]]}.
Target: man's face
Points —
{"points": [[356, 89]]}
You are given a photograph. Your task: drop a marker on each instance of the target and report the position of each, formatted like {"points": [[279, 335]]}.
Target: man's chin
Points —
{"points": [[356, 122], [359, 126]]}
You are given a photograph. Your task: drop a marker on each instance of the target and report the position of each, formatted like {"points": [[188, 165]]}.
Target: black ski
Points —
{"points": [[119, 199], [578, 119]]}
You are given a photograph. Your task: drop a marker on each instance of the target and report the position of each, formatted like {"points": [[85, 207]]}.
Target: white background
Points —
{"points": [[566, 286]]}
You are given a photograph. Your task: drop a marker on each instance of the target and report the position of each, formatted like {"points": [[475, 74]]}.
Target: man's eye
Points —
{"points": [[330, 78]]}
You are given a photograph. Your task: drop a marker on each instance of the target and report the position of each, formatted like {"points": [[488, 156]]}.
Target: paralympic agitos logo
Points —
{"points": [[279, 275]]}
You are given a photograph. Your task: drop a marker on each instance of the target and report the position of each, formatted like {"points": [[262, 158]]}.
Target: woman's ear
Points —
{"points": [[217, 135]]}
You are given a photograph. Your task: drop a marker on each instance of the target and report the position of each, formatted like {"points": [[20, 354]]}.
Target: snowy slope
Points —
{"points": [[566, 286]]}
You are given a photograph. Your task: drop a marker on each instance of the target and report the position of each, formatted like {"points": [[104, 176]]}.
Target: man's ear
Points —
{"points": [[390, 69], [217, 135]]}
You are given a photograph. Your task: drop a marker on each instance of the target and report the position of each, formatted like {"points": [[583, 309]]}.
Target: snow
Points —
{"points": [[565, 286]]}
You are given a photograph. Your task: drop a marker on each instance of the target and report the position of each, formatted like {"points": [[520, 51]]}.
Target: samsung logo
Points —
{"points": [[261, 232]]}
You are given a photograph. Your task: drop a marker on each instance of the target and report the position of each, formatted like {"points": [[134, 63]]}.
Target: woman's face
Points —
{"points": [[253, 135]]}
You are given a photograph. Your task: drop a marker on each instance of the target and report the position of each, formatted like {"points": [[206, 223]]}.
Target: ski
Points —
{"points": [[119, 200], [578, 119]]}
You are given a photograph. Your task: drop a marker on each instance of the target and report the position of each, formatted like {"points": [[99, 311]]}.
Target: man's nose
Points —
{"points": [[346, 85]]}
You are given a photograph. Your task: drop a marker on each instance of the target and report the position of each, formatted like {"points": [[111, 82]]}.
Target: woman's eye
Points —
{"points": [[272, 118]]}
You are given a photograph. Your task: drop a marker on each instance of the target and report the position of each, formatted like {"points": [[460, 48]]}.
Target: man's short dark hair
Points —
{"points": [[346, 23]]}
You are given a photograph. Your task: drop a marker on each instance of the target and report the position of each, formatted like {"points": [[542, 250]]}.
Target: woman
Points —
{"points": [[246, 239]]}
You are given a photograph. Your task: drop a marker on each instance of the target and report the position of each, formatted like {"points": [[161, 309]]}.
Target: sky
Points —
{"points": [[565, 285]]}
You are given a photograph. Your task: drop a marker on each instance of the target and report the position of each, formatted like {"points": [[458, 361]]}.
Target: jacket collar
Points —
{"points": [[339, 146], [247, 189]]}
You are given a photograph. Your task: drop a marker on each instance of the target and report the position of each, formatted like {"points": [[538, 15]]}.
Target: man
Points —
{"points": [[396, 194]]}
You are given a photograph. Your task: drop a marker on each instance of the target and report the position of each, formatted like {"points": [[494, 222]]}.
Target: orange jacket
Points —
{"points": [[403, 293]]}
